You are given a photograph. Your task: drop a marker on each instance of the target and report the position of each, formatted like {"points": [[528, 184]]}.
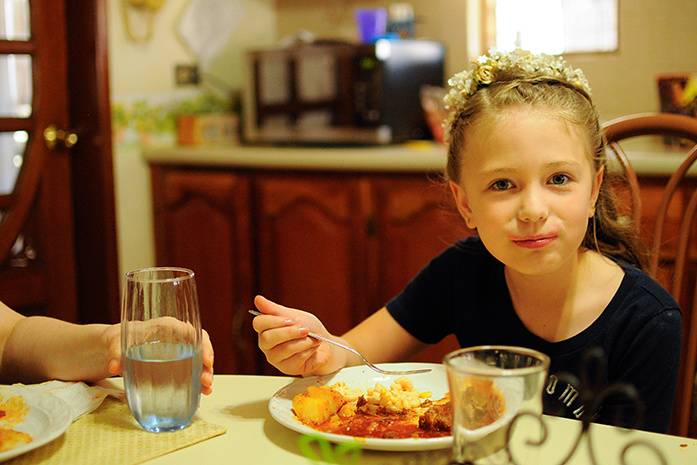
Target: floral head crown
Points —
{"points": [[487, 68]]}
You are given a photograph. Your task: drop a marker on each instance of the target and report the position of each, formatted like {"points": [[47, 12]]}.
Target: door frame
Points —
{"points": [[92, 169]]}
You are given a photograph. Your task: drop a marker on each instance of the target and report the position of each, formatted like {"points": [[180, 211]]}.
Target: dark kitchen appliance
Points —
{"points": [[341, 93]]}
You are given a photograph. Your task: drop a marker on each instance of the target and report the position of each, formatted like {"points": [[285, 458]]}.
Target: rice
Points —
{"points": [[401, 396]]}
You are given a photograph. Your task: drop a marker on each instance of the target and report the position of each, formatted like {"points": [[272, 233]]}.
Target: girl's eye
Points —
{"points": [[501, 185], [559, 179]]}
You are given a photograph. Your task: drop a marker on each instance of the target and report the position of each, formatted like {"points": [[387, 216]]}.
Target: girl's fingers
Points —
{"points": [[288, 349], [296, 363], [318, 359], [271, 338], [263, 323], [271, 308]]}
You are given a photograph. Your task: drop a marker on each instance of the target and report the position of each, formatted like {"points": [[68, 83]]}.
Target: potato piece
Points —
{"points": [[317, 404], [348, 410], [9, 439]]}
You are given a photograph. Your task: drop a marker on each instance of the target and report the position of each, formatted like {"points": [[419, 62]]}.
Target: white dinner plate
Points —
{"points": [[363, 378], [47, 418]]}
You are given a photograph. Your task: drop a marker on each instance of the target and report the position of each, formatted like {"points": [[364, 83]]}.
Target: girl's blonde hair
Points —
{"points": [[515, 86]]}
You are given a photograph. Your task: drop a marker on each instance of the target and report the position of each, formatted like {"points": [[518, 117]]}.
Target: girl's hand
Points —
{"points": [[283, 339], [112, 341]]}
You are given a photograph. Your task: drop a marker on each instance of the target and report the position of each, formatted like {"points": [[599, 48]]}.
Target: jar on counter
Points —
{"points": [[401, 20]]}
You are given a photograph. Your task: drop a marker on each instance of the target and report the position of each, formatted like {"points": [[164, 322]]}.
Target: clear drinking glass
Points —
{"points": [[161, 347], [489, 385]]}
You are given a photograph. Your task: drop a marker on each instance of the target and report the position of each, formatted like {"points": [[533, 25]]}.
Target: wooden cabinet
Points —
{"points": [[414, 220], [337, 244], [203, 222], [312, 245]]}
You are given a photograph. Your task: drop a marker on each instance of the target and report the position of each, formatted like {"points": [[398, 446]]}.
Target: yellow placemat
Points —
{"points": [[110, 436]]}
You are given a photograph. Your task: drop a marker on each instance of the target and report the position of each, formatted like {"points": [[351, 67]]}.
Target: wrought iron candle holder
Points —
{"points": [[595, 395]]}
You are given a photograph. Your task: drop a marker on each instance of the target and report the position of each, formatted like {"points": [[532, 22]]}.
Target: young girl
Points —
{"points": [[39, 348], [550, 269]]}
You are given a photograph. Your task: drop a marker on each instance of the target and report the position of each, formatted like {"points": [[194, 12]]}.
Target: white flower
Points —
{"points": [[485, 68]]}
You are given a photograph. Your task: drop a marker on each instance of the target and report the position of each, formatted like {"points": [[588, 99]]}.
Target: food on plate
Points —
{"points": [[438, 417], [317, 404], [396, 412], [483, 403], [12, 412], [9, 438]]}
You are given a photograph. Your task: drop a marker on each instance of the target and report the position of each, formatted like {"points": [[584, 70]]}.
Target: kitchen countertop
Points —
{"points": [[649, 158]]}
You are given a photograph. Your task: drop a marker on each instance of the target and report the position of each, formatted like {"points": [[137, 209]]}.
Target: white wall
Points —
{"points": [[655, 37], [146, 72]]}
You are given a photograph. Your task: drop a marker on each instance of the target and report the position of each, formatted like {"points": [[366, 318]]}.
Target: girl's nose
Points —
{"points": [[532, 207]]}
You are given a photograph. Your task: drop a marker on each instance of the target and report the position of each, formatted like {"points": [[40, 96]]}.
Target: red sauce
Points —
{"points": [[2, 413], [379, 426]]}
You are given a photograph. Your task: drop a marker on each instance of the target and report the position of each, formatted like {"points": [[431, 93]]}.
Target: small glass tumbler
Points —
{"points": [[489, 386], [161, 347]]}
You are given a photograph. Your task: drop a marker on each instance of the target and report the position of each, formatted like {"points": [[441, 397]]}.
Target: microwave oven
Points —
{"points": [[342, 93]]}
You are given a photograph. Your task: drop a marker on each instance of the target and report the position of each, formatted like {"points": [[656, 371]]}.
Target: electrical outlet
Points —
{"points": [[186, 75]]}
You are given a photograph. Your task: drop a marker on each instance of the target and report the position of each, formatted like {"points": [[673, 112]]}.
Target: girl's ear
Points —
{"points": [[597, 182], [462, 204]]}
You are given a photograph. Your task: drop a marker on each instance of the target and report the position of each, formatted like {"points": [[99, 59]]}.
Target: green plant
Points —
{"points": [[119, 115], [150, 119], [203, 103]]}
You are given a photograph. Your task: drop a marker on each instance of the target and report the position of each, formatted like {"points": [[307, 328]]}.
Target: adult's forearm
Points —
{"points": [[41, 348]]}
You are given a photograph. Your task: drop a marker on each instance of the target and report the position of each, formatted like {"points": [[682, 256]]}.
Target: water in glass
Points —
{"points": [[161, 343]]}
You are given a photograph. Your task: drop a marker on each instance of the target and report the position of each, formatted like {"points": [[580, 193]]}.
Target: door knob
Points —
{"points": [[54, 136]]}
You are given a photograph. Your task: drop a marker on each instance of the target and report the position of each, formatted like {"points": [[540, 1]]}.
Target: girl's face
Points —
{"points": [[528, 185]]}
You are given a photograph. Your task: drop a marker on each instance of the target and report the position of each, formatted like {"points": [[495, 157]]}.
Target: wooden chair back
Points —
{"points": [[673, 249]]}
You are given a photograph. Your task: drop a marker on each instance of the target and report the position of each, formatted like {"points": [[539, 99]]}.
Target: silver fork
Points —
{"points": [[354, 351]]}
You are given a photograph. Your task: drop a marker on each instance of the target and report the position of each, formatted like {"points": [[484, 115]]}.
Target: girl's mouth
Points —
{"points": [[534, 242]]}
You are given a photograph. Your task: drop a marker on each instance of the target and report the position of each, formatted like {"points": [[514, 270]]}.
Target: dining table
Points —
{"points": [[239, 403]]}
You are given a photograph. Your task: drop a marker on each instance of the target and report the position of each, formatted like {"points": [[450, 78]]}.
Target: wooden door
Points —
{"points": [[202, 222], [37, 274], [92, 167], [415, 221], [312, 245]]}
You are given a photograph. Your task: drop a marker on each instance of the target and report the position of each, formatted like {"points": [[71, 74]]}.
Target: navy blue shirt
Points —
{"points": [[463, 292]]}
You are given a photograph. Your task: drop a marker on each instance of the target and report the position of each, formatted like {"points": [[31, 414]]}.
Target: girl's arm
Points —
{"points": [[381, 339], [283, 339]]}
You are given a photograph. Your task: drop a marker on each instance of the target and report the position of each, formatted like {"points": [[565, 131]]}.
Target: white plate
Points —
{"points": [[47, 418], [363, 377]]}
